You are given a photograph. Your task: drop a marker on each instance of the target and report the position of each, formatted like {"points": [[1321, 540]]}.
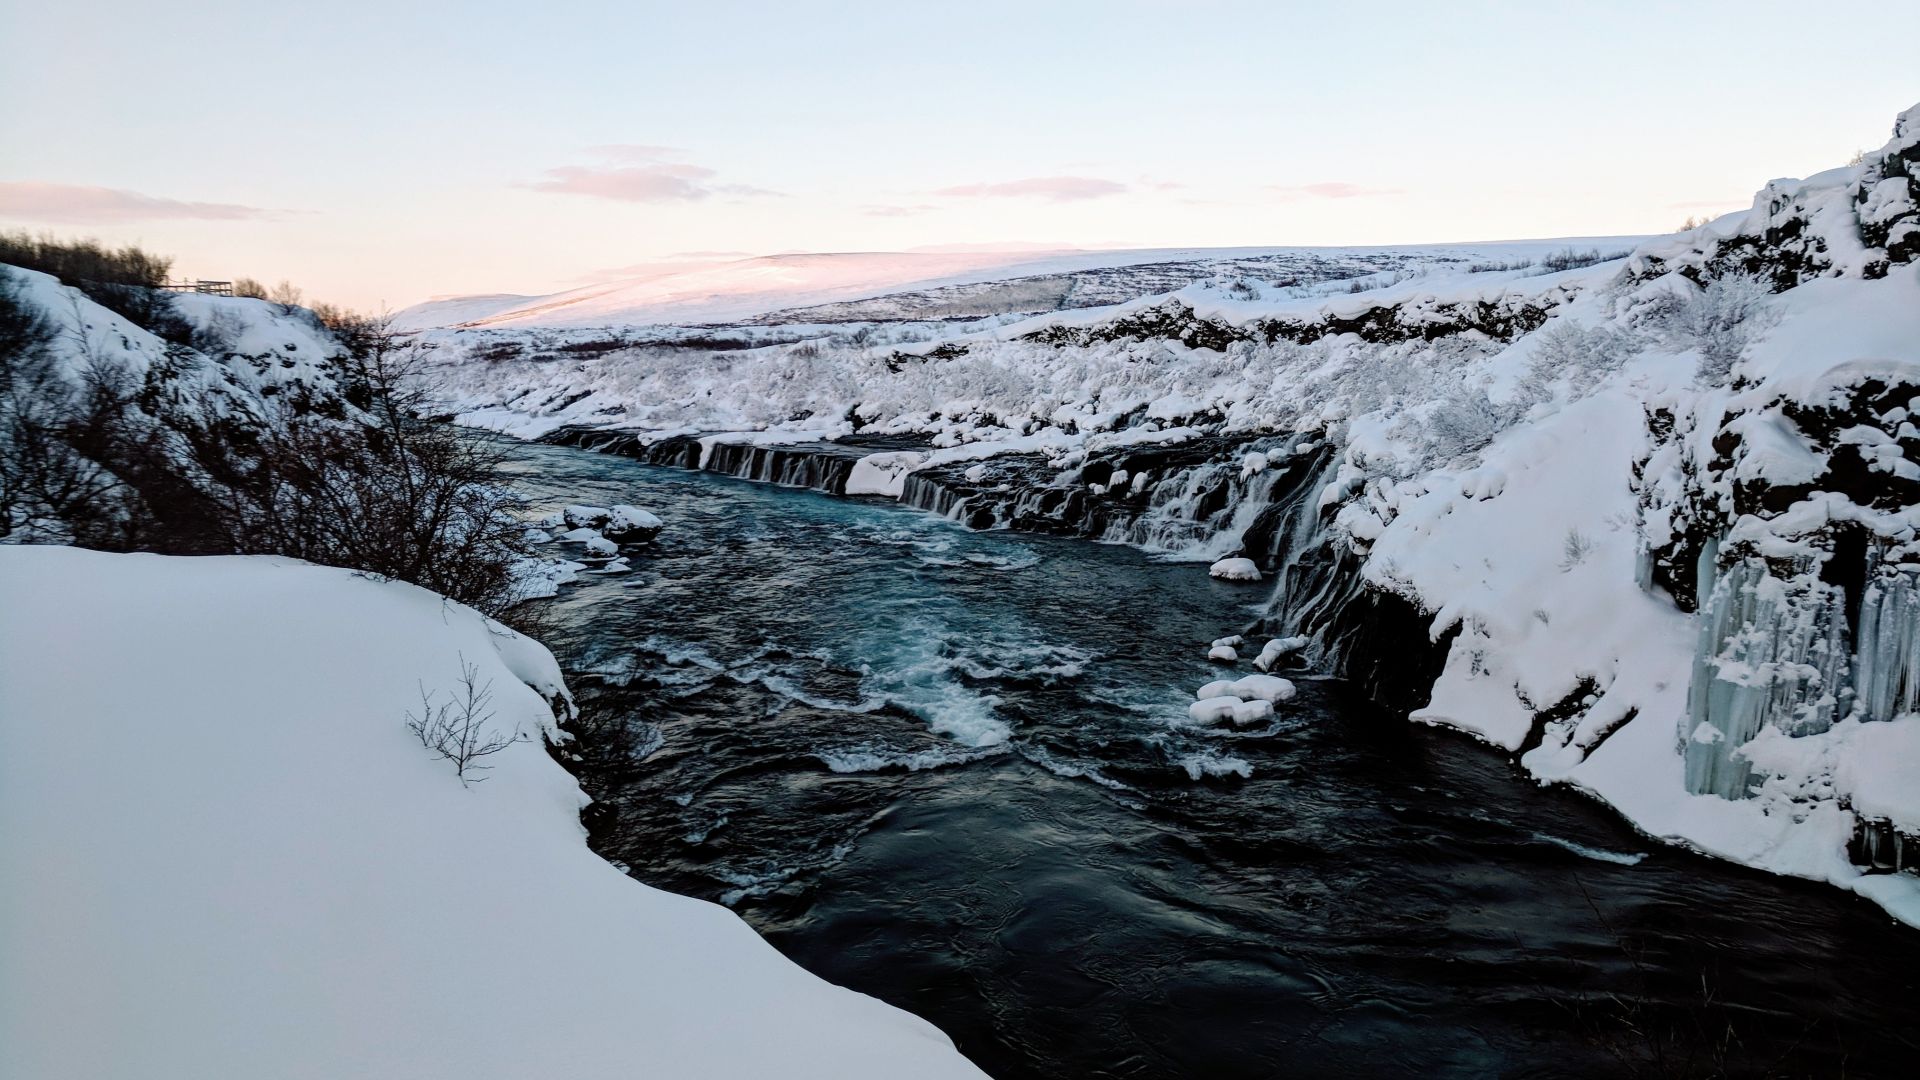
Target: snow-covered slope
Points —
{"points": [[810, 288], [225, 855], [1659, 511]]}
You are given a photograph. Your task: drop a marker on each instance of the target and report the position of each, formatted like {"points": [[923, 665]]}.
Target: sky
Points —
{"points": [[377, 154]]}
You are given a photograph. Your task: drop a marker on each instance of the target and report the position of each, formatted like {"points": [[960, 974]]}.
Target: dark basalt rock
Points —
{"points": [[819, 466], [1501, 320], [1878, 847]]}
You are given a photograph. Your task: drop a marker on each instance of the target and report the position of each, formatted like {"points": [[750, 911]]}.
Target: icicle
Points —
{"points": [[1887, 656], [1771, 653]]}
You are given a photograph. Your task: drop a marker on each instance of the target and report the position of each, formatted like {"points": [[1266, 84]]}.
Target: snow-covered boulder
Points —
{"points": [[1223, 654], [600, 545], [585, 517], [537, 579], [226, 855], [1263, 688], [1278, 649], [1235, 570], [1267, 688], [631, 525], [1251, 712], [1214, 709]]}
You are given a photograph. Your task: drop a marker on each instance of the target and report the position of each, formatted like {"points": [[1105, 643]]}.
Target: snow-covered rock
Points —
{"points": [[227, 856], [883, 474], [1278, 649], [585, 517], [1251, 711], [1223, 654], [1268, 688], [1235, 570], [631, 525], [1214, 709]]}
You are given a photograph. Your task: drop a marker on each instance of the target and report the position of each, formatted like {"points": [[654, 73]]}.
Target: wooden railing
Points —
{"points": [[211, 288]]}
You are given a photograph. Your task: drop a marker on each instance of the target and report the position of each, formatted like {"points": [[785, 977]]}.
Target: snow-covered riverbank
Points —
{"points": [[226, 855]]}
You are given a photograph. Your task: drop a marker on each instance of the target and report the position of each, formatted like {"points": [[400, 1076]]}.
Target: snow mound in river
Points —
{"points": [[226, 855]]}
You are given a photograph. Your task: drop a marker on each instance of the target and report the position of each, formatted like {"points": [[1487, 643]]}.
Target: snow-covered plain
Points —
{"points": [[738, 290], [1539, 456], [225, 855]]}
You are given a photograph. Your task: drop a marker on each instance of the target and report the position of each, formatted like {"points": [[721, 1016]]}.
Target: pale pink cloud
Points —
{"points": [[1051, 188], [1331, 189], [649, 177], [81, 204]]}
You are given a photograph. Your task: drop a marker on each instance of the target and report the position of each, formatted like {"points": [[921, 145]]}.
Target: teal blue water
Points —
{"points": [[949, 769]]}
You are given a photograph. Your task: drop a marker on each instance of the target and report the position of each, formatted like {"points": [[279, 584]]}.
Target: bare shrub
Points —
{"points": [[1570, 259], [460, 729], [1574, 549], [287, 297], [386, 492], [51, 489], [126, 281]]}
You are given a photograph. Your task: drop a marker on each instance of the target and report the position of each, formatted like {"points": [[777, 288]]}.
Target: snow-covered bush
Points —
{"points": [[1582, 355], [1464, 422], [1723, 319]]}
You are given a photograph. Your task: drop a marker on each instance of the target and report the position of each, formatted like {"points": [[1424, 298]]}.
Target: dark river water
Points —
{"points": [[950, 769]]}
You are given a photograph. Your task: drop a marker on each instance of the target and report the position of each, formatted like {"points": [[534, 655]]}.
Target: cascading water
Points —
{"points": [[819, 466]]}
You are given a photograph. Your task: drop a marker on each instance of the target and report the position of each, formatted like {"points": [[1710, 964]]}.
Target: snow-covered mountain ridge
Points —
{"points": [[1658, 510]]}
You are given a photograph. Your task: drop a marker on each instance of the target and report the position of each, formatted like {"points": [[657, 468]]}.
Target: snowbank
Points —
{"points": [[226, 856]]}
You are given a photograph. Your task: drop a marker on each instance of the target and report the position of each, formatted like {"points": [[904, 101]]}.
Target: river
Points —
{"points": [[951, 769]]}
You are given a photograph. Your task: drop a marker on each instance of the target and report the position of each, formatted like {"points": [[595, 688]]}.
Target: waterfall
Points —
{"points": [[1199, 499], [819, 466]]}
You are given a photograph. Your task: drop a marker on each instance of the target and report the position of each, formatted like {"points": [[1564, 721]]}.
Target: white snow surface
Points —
{"points": [[226, 856]]}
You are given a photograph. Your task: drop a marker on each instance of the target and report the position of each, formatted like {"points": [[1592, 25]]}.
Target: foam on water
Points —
{"points": [[866, 759], [1071, 770], [1201, 764], [1618, 858]]}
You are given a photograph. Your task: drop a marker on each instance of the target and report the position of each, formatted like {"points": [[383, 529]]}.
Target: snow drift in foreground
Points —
{"points": [[225, 855]]}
